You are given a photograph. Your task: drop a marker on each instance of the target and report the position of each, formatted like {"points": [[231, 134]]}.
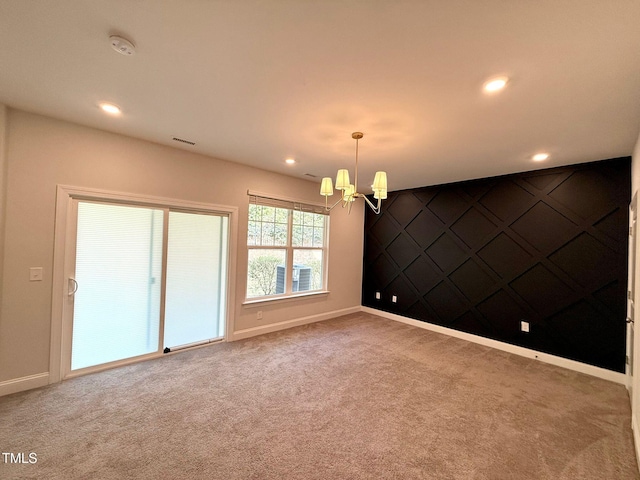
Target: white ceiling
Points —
{"points": [[257, 81]]}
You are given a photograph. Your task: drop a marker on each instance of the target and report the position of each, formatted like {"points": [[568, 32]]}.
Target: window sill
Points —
{"points": [[288, 298]]}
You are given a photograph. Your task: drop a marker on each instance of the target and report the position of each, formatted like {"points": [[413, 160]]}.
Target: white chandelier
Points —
{"points": [[350, 190]]}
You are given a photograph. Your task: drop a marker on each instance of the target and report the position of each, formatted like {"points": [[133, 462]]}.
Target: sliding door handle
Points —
{"points": [[73, 286]]}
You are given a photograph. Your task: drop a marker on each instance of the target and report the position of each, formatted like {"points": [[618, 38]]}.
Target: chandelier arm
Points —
{"points": [[376, 209], [328, 208], [349, 205]]}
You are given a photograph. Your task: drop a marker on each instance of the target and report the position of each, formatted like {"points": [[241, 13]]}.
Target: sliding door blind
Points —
{"points": [[196, 271], [118, 270]]}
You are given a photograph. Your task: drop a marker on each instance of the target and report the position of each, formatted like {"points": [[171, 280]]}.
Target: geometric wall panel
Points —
{"points": [[503, 313], [586, 260], [404, 293], [505, 256], [382, 270], [541, 181], [384, 230], [585, 334], [445, 302], [373, 251], [418, 310], [472, 281], [506, 199], [613, 223], [405, 208], [610, 295], [402, 251], [424, 228], [586, 193], [543, 227], [473, 227], [472, 322], [542, 290], [445, 252], [422, 275], [425, 195], [548, 247], [447, 205], [473, 188]]}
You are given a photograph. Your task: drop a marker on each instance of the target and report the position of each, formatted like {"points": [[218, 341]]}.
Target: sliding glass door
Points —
{"points": [[196, 269], [119, 266], [145, 280]]}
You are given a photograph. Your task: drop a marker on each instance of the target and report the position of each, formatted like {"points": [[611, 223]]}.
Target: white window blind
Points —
{"points": [[257, 198]]}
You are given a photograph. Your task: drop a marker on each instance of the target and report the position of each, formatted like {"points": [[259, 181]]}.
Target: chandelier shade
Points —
{"points": [[326, 188], [379, 182], [349, 193], [342, 179]]}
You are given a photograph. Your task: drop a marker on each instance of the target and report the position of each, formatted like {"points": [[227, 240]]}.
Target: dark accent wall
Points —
{"points": [[548, 247]]}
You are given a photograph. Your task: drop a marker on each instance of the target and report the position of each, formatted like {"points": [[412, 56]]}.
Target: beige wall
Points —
{"points": [[44, 152], [3, 168], [3, 176]]}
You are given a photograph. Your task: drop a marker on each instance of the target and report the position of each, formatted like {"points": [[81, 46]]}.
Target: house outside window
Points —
{"points": [[287, 248]]}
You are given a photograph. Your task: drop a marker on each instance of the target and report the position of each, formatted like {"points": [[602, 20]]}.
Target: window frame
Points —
{"points": [[291, 206]]}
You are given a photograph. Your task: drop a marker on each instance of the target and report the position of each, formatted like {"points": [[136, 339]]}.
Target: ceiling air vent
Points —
{"points": [[311, 175], [183, 141]]}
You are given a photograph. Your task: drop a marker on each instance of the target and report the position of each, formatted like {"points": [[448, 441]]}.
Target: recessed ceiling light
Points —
{"points": [[495, 84], [540, 157], [110, 108], [290, 161]]}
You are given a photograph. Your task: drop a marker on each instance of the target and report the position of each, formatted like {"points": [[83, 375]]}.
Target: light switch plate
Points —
{"points": [[524, 326], [35, 274]]}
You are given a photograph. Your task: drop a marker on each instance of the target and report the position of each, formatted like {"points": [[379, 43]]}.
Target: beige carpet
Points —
{"points": [[359, 397]]}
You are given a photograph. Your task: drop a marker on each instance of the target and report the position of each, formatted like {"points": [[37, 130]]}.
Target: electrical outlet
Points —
{"points": [[377, 295], [524, 326], [394, 299], [259, 315]]}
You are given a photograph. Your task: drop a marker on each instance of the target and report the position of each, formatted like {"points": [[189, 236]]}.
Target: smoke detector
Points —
{"points": [[122, 45]]}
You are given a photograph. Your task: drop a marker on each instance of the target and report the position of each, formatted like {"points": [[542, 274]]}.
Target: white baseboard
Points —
{"points": [[24, 383], [507, 347], [274, 327]]}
